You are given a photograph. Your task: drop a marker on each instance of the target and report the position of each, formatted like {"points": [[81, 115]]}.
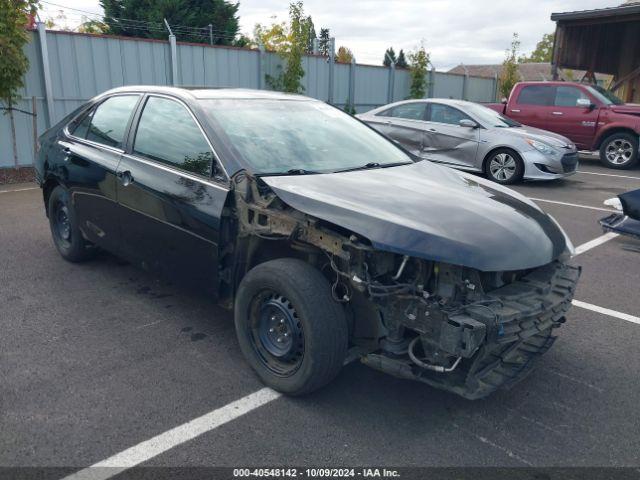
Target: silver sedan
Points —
{"points": [[471, 137]]}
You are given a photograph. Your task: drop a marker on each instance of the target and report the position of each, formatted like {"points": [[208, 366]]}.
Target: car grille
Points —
{"points": [[569, 162]]}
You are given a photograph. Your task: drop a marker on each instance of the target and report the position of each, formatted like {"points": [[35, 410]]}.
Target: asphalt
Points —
{"points": [[98, 357]]}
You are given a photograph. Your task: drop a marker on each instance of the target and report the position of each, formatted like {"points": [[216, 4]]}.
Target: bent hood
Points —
{"points": [[432, 212], [627, 108], [554, 139]]}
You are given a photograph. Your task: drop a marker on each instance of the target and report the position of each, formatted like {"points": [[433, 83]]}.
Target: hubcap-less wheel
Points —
{"points": [[63, 225], [276, 333], [619, 151], [502, 167]]}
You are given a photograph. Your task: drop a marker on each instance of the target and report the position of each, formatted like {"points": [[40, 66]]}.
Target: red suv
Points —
{"points": [[592, 117]]}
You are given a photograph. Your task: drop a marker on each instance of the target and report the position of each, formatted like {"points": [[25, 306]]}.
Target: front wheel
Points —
{"points": [[291, 331], [504, 166], [619, 151]]}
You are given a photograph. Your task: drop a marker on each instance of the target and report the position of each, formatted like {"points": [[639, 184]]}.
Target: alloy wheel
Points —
{"points": [[619, 151], [502, 167]]}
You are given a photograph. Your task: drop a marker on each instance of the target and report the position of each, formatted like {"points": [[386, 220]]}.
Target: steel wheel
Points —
{"points": [[502, 167], [619, 151], [276, 333], [62, 223]]}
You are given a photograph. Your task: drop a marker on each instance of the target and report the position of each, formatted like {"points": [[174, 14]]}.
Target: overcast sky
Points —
{"points": [[454, 31]]}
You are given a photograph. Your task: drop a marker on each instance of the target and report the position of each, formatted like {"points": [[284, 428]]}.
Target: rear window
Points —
{"points": [[542, 95]]}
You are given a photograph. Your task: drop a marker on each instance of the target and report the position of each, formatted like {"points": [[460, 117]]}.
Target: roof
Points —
{"points": [[628, 8], [529, 72], [199, 92]]}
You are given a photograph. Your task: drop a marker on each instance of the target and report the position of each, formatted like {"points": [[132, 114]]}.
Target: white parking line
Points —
{"points": [[19, 190], [607, 311], [600, 209], [595, 242], [171, 438], [608, 175]]}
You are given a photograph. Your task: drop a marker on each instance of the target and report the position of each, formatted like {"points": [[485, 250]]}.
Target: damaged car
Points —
{"points": [[627, 221], [328, 241]]}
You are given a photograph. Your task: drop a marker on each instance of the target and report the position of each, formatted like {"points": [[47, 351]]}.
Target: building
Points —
{"points": [[605, 40]]}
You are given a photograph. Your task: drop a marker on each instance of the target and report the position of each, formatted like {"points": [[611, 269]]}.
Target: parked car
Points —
{"points": [[627, 221], [471, 137], [590, 116], [321, 234]]}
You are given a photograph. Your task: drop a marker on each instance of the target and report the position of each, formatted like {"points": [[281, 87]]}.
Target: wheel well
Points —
{"points": [[613, 131], [492, 151], [47, 188]]}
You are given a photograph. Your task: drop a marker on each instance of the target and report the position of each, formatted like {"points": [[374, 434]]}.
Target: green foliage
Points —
{"points": [[93, 27], [509, 75], [290, 42], [311, 34], [401, 62], [348, 107], [389, 57], [419, 63], [344, 55], [543, 51], [190, 13], [273, 38], [14, 18], [323, 43]]}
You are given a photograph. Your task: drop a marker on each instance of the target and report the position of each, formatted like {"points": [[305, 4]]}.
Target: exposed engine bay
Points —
{"points": [[453, 327]]}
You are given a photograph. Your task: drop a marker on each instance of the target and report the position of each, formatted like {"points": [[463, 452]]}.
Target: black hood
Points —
{"points": [[424, 210]]}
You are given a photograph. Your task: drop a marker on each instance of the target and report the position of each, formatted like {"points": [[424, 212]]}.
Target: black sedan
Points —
{"points": [[323, 236]]}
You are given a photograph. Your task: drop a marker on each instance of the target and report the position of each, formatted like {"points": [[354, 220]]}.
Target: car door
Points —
{"points": [[446, 140], [404, 124], [533, 106], [172, 190], [574, 121], [92, 148]]}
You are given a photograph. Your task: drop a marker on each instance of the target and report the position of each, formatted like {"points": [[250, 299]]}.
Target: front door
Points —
{"points": [[171, 202], [446, 140], [578, 123], [92, 150]]}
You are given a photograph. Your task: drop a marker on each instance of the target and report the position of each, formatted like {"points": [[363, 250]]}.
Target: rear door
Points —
{"points": [[92, 149], [172, 190], [446, 140], [404, 124], [533, 106], [575, 122]]}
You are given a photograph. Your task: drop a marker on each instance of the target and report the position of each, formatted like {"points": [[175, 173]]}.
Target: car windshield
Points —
{"points": [[604, 95], [488, 117], [300, 136]]}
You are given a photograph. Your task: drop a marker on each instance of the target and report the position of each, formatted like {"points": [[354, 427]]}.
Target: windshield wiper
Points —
{"points": [[292, 171], [372, 165]]}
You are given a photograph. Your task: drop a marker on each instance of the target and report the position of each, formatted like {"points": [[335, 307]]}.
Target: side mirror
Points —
{"points": [[504, 100], [465, 122], [586, 103]]}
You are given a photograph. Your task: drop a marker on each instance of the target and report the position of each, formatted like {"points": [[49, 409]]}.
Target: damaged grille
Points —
{"points": [[569, 162]]}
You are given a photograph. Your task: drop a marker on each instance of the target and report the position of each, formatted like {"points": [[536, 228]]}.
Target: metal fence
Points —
{"points": [[67, 69]]}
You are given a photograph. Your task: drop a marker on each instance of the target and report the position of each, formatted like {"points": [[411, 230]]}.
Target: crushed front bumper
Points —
{"points": [[543, 167]]}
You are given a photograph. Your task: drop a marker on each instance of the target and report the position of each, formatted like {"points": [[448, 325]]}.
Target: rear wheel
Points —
{"points": [[504, 166], [291, 331], [64, 228], [619, 151]]}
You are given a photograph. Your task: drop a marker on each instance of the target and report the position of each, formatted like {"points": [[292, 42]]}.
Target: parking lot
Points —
{"points": [[100, 358]]}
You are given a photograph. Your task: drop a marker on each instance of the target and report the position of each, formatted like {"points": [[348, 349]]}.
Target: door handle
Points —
{"points": [[513, 110], [432, 130], [125, 177], [67, 154], [557, 113]]}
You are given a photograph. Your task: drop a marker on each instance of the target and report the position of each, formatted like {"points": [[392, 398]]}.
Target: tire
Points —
{"points": [[64, 228], [512, 169], [619, 151], [290, 296]]}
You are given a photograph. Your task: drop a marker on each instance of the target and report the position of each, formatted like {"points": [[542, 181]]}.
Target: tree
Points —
{"points": [[419, 63], [543, 51], [509, 75], [323, 43], [14, 18], [189, 19], [401, 62], [290, 42], [389, 57], [92, 26], [311, 34], [274, 38], [344, 55]]}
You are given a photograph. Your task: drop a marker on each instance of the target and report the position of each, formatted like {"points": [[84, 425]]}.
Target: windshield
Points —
{"points": [[279, 136], [488, 117], [604, 95]]}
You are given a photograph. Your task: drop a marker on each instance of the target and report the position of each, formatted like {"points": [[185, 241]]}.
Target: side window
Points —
{"points": [[167, 133], [537, 95], [569, 96], [110, 119], [81, 127], [410, 111], [446, 114]]}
